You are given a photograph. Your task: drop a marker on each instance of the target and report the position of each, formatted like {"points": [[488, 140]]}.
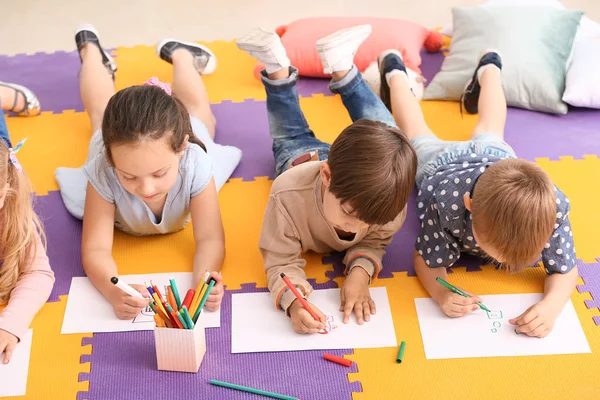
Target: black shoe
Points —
{"points": [[86, 33], [470, 96], [204, 59], [388, 61]]}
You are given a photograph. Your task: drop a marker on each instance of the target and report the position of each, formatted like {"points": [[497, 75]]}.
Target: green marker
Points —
{"points": [[175, 292], [401, 352], [201, 305], [252, 390], [186, 316], [460, 292]]}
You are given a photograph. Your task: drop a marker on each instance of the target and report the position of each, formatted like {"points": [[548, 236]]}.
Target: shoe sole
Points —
{"points": [[210, 66], [345, 35], [253, 42]]}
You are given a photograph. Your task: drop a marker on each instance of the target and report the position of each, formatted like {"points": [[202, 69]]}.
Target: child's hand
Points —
{"points": [[216, 294], [8, 341], [126, 306], [302, 321], [455, 305], [356, 296], [537, 320]]}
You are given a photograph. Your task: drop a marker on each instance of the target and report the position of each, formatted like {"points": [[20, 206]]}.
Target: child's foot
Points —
{"points": [[85, 34], [390, 64], [338, 49], [204, 59], [24, 102], [470, 96], [266, 47]]}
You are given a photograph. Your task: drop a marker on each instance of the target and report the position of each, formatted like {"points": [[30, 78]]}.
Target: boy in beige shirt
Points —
{"points": [[348, 196]]}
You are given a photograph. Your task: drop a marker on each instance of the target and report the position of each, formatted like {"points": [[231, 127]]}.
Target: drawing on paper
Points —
{"points": [[494, 314], [329, 324]]}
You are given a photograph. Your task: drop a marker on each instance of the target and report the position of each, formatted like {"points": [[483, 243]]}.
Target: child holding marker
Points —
{"points": [[148, 172], [26, 279], [348, 196], [478, 197]]}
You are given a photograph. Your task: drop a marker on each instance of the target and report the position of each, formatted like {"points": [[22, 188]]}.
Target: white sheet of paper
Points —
{"points": [[257, 326], [482, 334], [13, 376], [88, 311]]}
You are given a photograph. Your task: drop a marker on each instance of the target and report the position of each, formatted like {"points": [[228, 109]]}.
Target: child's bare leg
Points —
{"points": [[190, 60], [484, 95], [397, 95]]}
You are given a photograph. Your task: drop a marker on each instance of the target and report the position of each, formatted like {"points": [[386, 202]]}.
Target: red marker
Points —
{"points": [[299, 297], [337, 360], [188, 298]]}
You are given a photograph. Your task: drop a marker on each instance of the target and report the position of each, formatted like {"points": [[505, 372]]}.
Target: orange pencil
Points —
{"points": [[171, 297], [299, 297]]}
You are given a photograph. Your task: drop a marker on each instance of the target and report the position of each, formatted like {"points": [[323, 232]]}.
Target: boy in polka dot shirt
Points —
{"points": [[477, 197]]}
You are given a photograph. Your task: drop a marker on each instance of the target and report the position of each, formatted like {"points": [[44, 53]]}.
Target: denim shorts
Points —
{"points": [[433, 152]]}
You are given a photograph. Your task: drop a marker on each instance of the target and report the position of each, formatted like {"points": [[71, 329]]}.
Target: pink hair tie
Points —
{"points": [[155, 82]]}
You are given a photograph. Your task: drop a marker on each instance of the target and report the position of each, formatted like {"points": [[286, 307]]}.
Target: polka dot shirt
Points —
{"points": [[447, 226]]}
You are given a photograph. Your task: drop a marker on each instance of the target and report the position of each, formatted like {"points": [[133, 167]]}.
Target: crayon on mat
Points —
{"points": [[187, 318], [401, 352], [299, 297], [175, 292], [188, 298], [252, 390], [337, 360], [459, 292], [204, 298]]}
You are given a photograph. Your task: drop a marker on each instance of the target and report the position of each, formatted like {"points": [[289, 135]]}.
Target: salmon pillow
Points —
{"points": [[300, 36]]}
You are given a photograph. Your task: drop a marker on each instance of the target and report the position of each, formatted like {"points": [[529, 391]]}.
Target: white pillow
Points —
{"points": [[588, 28], [583, 85]]}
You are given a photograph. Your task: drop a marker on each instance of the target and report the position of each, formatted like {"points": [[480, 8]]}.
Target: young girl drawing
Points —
{"points": [[147, 171]]}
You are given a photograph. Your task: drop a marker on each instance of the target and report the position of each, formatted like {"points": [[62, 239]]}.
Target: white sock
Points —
{"points": [[388, 76], [480, 70]]}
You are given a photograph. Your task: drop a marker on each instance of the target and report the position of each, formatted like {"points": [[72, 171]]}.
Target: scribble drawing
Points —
{"points": [[494, 314]]}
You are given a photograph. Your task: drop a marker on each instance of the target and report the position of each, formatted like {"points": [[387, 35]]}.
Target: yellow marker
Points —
{"points": [[159, 322], [197, 297], [158, 302]]}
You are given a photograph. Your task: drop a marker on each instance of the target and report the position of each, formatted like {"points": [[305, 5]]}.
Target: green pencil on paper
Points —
{"points": [[252, 390], [460, 292]]}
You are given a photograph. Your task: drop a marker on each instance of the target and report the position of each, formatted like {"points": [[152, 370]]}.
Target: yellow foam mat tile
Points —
{"points": [[242, 208], [233, 79], [578, 179], [53, 140], [535, 377], [54, 363]]}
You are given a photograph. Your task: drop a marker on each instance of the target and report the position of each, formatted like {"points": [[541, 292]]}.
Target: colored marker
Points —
{"points": [[177, 323], [186, 317], [158, 302], [252, 390], [184, 324], [175, 293], [460, 292], [188, 298], [337, 360], [299, 297], [149, 288], [198, 295], [204, 298], [162, 315], [126, 288], [170, 297], [401, 352], [158, 321]]}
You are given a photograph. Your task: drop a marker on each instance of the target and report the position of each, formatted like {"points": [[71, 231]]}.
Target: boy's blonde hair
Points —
{"points": [[514, 211], [20, 225]]}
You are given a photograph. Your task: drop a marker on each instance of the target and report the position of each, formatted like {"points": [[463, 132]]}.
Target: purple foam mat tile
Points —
{"points": [[590, 273], [63, 233], [123, 366], [538, 135], [245, 125], [53, 77], [309, 86], [431, 63], [399, 255]]}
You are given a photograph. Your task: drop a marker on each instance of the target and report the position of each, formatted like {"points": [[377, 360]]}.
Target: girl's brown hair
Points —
{"points": [[146, 113], [21, 227], [514, 211]]}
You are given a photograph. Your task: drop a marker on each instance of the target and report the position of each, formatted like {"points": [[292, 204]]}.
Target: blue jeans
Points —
{"points": [[4, 130], [292, 137]]}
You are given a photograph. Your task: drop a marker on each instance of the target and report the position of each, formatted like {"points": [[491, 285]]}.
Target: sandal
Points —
{"points": [[32, 103]]}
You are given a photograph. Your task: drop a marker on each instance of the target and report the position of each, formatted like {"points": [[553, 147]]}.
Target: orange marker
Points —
{"points": [[159, 322], [299, 297], [171, 297]]}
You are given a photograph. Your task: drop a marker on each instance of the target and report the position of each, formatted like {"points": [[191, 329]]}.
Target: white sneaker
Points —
{"points": [[338, 49], [266, 47]]}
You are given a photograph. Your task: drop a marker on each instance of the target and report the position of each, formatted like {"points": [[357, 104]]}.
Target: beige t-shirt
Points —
{"points": [[294, 223]]}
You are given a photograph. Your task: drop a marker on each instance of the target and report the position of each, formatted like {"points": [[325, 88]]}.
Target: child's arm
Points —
{"points": [[96, 255], [363, 263], [210, 241], [29, 295]]}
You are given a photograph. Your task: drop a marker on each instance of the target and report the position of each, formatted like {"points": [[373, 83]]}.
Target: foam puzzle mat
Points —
{"points": [[123, 365]]}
